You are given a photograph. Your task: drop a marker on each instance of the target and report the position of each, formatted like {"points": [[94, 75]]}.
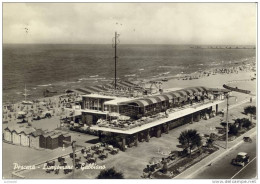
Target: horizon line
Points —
{"points": [[120, 44]]}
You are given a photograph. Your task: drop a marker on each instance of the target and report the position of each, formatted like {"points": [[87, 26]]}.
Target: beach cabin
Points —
{"points": [[43, 140], [35, 138], [64, 137], [25, 139], [7, 134], [25, 135], [16, 137], [52, 141]]}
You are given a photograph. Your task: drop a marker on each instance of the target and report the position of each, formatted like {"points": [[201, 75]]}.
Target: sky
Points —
{"points": [[137, 23]]}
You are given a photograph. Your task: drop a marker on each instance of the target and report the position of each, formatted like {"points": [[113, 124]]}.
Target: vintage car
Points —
{"points": [[242, 159]]}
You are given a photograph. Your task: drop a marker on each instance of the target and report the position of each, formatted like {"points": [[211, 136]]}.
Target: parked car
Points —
{"points": [[242, 159], [247, 139]]}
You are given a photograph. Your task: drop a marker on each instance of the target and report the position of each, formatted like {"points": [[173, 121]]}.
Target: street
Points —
{"points": [[223, 169]]}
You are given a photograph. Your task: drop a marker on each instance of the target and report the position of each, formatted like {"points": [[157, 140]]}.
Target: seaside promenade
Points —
{"points": [[134, 160]]}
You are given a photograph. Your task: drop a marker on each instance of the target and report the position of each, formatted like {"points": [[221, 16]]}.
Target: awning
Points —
{"points": [[149, 101], [194, 89], [163, 97], [175, 94], [182, 92], [188, 91], [140, 103], [170, 96], [199, 89], [157, 98], [203, 88]]}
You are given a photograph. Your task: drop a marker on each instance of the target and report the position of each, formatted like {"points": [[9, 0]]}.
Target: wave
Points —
{"points": [[130, 75], [86, 79], [44, 85]]}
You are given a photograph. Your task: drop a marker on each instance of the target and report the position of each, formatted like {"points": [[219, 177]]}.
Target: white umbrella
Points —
{"points": [[124, 118], [21, 113], [155, 160], [143, 118], [42, 103]]}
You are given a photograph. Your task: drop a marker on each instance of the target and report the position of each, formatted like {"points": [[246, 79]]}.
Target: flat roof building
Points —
{"points": [[135, 118]]}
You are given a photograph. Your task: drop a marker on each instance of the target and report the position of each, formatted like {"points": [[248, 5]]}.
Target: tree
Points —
{"points": [[247, 123], [110, 173], [189, 139], [233, 129], [244, 122], [250, 110], [239, 122]]}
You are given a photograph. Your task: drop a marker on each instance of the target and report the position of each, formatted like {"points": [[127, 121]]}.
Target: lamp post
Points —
{"points": [[73, 145], [227, 119]]}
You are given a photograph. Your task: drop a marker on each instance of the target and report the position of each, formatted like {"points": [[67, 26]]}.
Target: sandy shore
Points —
{"points": [[213, 81]]}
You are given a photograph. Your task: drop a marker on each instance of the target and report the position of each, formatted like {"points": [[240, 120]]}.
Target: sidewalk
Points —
{"points": [[188, 173]]}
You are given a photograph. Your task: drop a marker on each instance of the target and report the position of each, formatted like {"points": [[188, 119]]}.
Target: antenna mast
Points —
{"points": [[115, 42]]}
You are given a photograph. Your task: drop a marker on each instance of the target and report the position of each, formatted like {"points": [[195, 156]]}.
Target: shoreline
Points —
{"points": [[245, 66]]}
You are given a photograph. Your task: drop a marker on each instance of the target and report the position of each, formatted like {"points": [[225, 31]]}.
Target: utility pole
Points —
{"points": [[73, 146], [73, 149], [227, 119], [227, 123]]}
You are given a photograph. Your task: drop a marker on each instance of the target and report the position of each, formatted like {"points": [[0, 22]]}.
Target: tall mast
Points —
{"points": [[115, 46], [115, 58]]}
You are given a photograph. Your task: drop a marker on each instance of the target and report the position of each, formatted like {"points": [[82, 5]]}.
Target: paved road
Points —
{"points": [[247, 172], [223, 169]]}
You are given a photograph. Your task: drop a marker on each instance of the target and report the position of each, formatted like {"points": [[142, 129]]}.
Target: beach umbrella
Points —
{"points": [[143, 118], [124, 118], [155, 160], [21, 113], [42, 103]]}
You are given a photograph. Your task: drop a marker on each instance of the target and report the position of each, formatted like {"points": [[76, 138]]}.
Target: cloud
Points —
{"points": [[142, 23]]}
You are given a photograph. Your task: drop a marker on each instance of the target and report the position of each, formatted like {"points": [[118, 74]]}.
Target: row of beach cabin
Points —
{"points": [[35, 138]]}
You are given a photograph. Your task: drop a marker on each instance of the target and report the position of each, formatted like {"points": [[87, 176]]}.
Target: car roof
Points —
{"points": [[242, 154]]}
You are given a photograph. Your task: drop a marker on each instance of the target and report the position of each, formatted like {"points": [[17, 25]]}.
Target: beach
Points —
{"points": [[56, 104]]}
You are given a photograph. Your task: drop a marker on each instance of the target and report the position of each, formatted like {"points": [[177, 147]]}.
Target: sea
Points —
{"points": [[58, 67]]}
